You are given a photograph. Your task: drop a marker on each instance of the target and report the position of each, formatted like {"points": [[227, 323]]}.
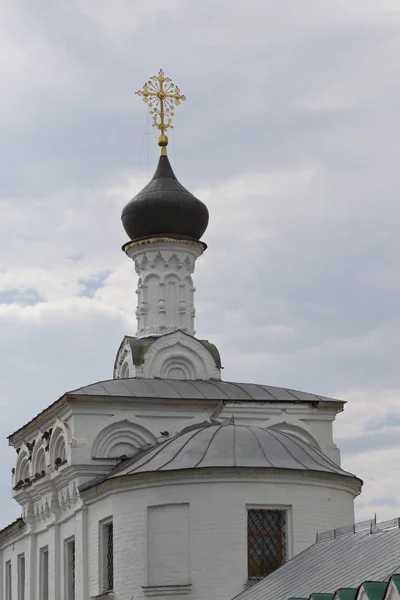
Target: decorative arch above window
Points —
{"points": [[122, 438]]}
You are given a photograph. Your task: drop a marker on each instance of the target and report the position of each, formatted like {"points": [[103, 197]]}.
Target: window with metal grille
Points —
{"points": [[108, 556], [266, 535], [70, 568], [21, 576]]}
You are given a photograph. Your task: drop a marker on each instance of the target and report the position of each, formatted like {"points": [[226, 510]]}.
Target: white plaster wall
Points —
{"points": [[217, 531], [156, 416], [218, 544], [53, 536], [11, 552]]}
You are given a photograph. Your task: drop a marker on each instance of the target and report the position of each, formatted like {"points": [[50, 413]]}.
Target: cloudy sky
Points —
{"points": [[290, 134]]}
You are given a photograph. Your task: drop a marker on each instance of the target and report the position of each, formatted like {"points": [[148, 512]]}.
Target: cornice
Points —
{"points": [[164, 240], [14, 531], [42, 421], [334, 481]]}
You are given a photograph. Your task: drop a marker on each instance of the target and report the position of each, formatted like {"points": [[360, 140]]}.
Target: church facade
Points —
{"points": [[165, 480]]}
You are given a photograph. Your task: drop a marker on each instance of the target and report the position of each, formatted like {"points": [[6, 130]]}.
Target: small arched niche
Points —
{"points": [[125, 373], [58, 448], [178, 367], [123, 438], [39, 463], [22, 471], [295, 431]]}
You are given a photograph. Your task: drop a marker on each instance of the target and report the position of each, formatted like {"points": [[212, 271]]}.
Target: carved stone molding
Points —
{"points": [[165, 291]]}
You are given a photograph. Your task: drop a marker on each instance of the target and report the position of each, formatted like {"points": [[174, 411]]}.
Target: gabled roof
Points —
{"points": [[334, 564], [395, 581], [374, 590], [345, 594]]}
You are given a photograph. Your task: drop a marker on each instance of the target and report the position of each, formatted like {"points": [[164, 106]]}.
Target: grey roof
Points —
{"points": [[210, 390], [343, 562], [185, 390], [227, 445]]}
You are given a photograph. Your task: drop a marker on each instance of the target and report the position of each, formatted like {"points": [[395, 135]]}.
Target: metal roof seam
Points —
{"points": [[159, 449], [332, 466], [208, 445], [287, 449], [214, 384], [260, 444], [173, 388], [240, 385], [194, 433]]}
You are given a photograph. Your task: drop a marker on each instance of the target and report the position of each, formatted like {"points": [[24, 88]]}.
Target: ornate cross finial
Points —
{"points": [[162, 96]]}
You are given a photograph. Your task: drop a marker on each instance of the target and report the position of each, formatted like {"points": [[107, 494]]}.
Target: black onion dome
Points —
{"points": [[165, 207]]}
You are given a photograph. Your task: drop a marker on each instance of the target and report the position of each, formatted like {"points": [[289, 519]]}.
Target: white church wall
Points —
{"points": [[311, 506], [9, 557], [99, 513], [217, 528], [87, 428], [168, 527]]}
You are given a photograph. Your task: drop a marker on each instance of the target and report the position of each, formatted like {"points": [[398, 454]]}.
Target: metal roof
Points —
{"points": [[193, 390], [175, 389], [326, 566], [227, 445]]}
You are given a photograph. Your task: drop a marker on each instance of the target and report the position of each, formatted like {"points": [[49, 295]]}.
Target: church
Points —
{"points": [[166, 480]]}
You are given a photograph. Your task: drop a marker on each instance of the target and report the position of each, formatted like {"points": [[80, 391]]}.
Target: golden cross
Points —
{"points": [[160, 88]]}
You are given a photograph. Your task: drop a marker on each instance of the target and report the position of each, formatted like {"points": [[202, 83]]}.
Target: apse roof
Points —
{"points": [[210, 390], [227, 445], [342, 561]]}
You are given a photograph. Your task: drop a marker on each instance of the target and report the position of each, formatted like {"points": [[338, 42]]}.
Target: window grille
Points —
{"points": [[73, 570], [107, 551], [110, 555], [266, 533]]}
